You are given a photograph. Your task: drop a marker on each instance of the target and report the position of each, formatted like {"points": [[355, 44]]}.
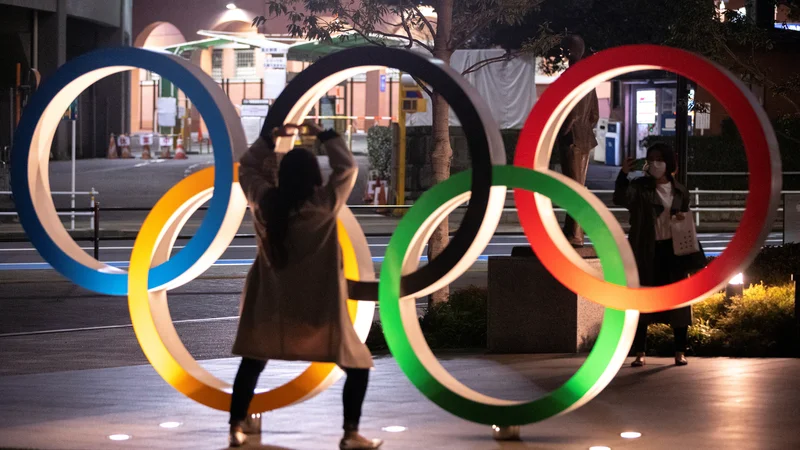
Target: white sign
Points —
{"points": [[123, 141], [274, 82], [275, 63], [259, 110], [166, 120], [252, 128], [272, 50], [646, 106], [146, 139], [181, 111], [165, 141], [702, 120], [167, 105]]}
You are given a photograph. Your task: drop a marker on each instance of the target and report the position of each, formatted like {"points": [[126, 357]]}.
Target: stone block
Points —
{"points": [[529, 311]]}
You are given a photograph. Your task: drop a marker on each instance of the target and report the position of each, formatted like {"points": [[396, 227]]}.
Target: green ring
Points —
{"points": [[580, 385]]}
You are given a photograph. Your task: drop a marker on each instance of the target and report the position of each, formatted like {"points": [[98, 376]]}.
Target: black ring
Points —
{"points": [[443, 80]]}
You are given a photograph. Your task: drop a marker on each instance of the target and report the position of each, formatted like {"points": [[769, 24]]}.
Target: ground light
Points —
{"points": [[735, 286], [170, 424], [119, 437], [599, 447], [394, 429], [231, 6], [630, 435]]}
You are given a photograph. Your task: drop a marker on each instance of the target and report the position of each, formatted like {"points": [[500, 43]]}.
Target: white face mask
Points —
{"points": [[656, 169]]}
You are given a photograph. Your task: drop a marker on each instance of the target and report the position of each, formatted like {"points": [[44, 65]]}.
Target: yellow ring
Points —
{"points": [[153, 325]]}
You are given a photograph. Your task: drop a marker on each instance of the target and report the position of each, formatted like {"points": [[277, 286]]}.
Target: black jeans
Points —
{"points": [[664, 273], [640, 338], [355, 388]]}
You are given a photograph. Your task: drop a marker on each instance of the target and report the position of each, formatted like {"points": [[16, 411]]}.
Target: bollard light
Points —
{"points": [[735, 286]]}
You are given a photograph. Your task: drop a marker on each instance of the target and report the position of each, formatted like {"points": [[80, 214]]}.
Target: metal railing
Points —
{"points": [[72, 212], [93, 212]]}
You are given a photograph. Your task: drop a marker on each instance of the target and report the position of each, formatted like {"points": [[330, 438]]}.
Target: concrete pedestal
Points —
{"points": [[530, 312]]}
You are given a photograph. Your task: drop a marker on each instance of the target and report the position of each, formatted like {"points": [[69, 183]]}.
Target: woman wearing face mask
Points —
{"points": [[654, 201]]}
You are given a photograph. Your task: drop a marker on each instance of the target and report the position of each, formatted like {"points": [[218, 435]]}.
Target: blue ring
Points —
{"points": [[168, 68]]}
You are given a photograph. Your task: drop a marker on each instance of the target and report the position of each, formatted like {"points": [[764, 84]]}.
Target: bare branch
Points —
{"points": [[481, 64], [422, 86], [424, 19]]}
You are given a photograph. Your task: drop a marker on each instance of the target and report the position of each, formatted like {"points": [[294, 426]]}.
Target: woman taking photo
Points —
{"points": [[294, 301], [654, 201]]}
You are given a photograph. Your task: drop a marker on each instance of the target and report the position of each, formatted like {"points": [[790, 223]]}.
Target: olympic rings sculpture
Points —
{"points": [[153, 270]]}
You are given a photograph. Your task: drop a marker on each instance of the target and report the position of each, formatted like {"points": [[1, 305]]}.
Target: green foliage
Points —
{"points": [[458, 323], [759, 323], [730, 39], [404, 20], [380, 142], [774, 265]]}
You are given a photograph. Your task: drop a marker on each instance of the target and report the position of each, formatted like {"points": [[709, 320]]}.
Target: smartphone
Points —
{"points": [[638, 165]]}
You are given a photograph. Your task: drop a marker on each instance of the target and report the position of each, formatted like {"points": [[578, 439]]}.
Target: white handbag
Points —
{"points": [[684, 235]]}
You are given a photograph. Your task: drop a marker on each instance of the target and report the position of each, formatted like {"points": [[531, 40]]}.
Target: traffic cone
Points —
{"points": [[180, 153], [380, 196], [146, 152], [112, 148], [126, 149], [165, 154]]}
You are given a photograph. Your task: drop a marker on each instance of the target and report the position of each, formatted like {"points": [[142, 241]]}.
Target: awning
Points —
{"points": [[195, 45], [313, 50]]}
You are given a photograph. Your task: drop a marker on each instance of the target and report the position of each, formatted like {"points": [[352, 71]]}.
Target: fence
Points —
{"points": [[72, 212]]}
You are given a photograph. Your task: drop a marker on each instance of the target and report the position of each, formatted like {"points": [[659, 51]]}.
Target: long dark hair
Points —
{"points": [[298, 177], [669, 156]]}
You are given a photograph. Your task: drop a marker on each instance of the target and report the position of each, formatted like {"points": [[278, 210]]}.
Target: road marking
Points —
{"points": [[220, 262], [110, 327]]}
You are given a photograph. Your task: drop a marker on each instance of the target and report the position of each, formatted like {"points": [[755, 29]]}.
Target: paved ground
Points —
{"points": [[710, 404]]}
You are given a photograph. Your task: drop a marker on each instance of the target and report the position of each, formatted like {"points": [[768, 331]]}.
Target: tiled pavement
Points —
{"points": [[711, 404]]}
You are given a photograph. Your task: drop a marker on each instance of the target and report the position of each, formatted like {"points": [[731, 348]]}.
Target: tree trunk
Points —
{"points": [[442, 153]]}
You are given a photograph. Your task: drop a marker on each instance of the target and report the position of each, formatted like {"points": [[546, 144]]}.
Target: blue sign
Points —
{"points": [[383, 83]]}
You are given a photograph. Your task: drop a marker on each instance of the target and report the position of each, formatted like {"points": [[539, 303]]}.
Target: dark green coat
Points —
{"points": [[640, 198]]}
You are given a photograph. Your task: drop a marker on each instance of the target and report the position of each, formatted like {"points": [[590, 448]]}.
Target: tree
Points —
{"points": [[454, 26], [729, 38]]}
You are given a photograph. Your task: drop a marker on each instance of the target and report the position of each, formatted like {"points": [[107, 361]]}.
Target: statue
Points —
{"points": [[576, 137]]}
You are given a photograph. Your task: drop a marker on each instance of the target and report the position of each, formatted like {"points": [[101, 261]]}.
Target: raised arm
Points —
{"points": [[258, 170], [344, 167], [623, 193]]}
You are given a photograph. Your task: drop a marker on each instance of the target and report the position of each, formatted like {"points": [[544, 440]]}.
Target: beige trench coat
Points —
{"points": [[300, 312]]}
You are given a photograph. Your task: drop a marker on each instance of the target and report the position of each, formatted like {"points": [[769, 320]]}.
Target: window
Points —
{"points": [[216, 64], [245, 63]]}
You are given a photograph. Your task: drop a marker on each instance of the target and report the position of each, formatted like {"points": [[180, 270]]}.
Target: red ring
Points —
{"points": [[763, 158]]}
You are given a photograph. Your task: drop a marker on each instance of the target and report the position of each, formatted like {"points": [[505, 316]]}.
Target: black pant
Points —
{"points": [[355, 388], [665, 271], [640, 339]]}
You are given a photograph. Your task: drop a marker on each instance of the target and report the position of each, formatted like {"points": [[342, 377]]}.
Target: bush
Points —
{"points": [[759, 323], [459, 323], [774, 265], [380, 143]]}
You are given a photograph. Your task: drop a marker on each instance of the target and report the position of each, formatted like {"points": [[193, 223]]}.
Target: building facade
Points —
{"points": [[40, 36]]}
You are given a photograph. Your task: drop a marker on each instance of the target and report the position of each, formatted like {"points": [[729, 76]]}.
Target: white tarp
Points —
{"points": [[509, 87]]}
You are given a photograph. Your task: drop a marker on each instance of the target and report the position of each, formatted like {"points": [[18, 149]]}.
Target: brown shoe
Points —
{"points": [[680, 359], [639, 361]]}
